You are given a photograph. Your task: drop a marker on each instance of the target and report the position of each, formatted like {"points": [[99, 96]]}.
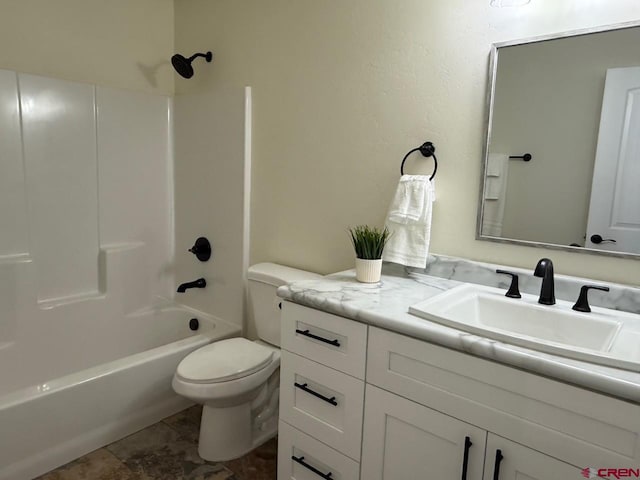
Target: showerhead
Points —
{"points": [[183, 66]]}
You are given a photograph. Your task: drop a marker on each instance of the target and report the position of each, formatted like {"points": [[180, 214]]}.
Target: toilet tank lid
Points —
{"points": [[277, 275]]}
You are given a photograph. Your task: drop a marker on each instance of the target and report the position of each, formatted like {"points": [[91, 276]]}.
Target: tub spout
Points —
{"points": [[199, 283]]}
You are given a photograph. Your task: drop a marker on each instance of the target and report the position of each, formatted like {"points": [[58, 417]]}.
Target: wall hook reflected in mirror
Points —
{"points": [[526, 157]]}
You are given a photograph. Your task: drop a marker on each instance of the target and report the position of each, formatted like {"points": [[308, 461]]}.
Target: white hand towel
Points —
{"points": [[495, 191], [408, 203], [493, 188], [496, 164], [409, 221]]}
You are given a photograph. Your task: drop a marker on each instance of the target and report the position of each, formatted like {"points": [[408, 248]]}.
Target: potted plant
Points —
{"points": [[368, 242]]}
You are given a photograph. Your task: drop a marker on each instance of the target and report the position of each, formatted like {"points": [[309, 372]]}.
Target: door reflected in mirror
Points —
{"points": [[562, 163]]}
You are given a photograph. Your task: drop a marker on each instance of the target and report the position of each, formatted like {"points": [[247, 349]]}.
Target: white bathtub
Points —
{"points": [[46, 425]]}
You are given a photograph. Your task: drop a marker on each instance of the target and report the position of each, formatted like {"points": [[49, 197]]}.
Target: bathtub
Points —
{"points": [[46, 425]]}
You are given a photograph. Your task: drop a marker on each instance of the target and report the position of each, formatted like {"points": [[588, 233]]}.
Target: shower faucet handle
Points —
{"points": [[201, 249]]}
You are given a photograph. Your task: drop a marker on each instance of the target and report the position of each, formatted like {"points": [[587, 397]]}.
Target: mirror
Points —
{"points": [[562, 156]]}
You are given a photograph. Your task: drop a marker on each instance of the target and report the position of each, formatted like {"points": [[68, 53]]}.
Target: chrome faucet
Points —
{"points": [[544, 269], [199, 283]]}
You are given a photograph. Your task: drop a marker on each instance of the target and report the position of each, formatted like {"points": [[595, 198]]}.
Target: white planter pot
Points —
{"points": [[368, 271]]}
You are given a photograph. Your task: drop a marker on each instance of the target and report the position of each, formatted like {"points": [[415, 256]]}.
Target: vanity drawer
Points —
{"points": [[311, 455], [322, 402], [328, 339], [578, 426]]}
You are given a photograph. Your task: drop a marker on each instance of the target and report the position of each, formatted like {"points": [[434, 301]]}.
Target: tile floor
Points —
{"points": [[167, 451]]}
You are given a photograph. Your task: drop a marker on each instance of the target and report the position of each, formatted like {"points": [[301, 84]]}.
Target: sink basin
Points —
{"points": [[556, 329]]}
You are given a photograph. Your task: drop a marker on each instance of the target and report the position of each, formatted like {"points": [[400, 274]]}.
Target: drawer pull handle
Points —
{"points": [[306, 333], [304, 387], [300, 460], [496, 467], [465, 461]]}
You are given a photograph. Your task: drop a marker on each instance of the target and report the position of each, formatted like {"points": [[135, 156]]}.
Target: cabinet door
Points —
{"points": [[516, 461], [407, 441]]}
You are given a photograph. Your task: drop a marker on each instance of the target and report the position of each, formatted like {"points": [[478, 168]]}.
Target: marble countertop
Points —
{"points": [[386, 304]]}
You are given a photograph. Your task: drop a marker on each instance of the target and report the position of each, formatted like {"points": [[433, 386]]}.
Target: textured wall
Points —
{"points": [[119, 43], [343, 89]]}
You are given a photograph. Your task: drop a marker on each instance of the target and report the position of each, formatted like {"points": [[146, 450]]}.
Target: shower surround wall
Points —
{"points": [[86, 186], [212, 182], [90, 336]]}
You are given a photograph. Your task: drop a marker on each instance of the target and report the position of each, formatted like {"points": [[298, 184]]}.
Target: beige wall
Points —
{"points": [[548, 101], [118, 43], [343, 89]]}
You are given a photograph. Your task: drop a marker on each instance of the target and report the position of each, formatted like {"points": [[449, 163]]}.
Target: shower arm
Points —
{"points": [[207, 56]]}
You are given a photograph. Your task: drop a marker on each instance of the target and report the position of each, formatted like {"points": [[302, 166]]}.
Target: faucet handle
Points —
{"points": [[201, 249], [582, 305], [513, 291]]}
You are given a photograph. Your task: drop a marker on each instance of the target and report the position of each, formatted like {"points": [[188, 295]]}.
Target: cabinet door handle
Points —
{"points": [[465, 461], [335, 343], [496, 466], [300, 460], [305, 388]]}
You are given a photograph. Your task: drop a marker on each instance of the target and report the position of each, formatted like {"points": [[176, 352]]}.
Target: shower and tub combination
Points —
{"points": [[90, 334]]}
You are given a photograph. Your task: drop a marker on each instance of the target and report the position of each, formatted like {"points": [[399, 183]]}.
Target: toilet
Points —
{"points": [[237, 380]]}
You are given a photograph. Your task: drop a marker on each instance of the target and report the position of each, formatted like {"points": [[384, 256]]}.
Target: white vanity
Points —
{"points": [[376, 393]]}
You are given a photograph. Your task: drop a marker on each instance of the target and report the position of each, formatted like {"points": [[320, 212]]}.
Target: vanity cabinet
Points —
{"points": [[408, 409], [507, 460], [322, 386], [577, 426], [405, 440]]}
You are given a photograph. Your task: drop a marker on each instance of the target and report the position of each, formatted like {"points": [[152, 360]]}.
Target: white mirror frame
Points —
{"points": [[493, 69]]}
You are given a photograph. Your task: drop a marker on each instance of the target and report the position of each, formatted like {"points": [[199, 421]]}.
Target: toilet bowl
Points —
{"points": [[237, 380], [230, 379]]}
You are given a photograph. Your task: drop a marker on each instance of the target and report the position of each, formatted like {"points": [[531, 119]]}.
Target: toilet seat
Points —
{"points": [[224, 361]]}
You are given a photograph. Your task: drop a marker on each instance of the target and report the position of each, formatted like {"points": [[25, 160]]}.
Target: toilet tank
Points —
{"points": [[264, 280]]}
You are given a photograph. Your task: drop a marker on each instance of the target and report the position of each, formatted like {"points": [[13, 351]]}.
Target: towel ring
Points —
{"points": [[427, 149]]}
